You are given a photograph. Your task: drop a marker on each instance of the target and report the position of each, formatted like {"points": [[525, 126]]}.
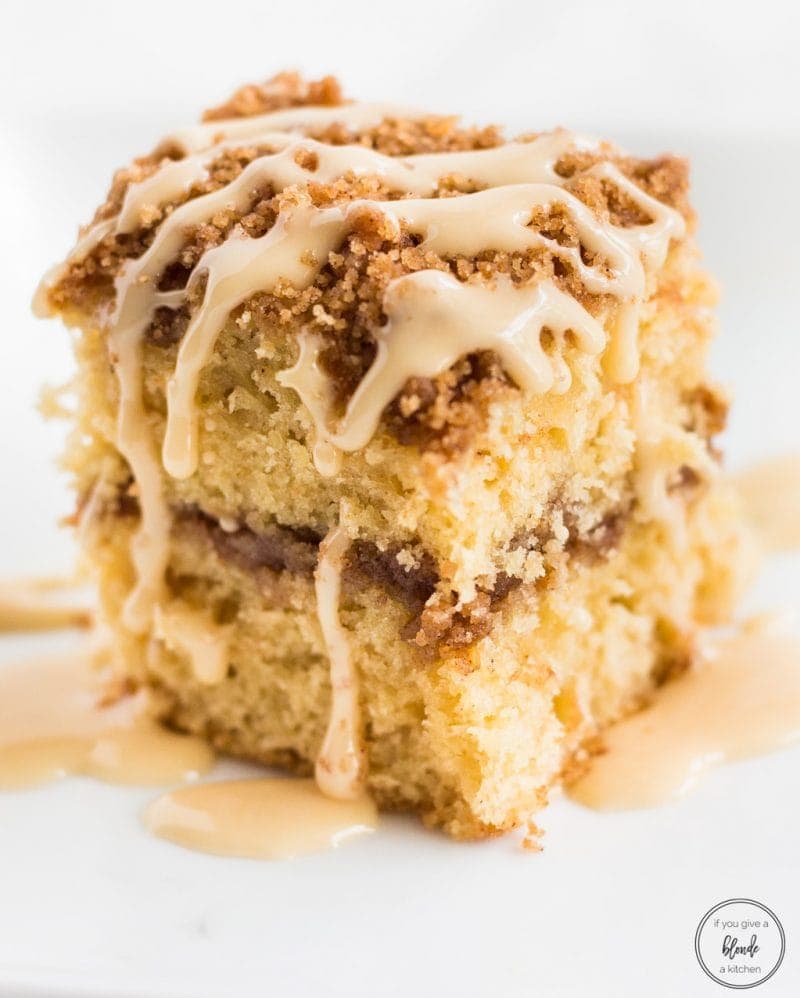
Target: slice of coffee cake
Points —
{"points": [[394, 446]]}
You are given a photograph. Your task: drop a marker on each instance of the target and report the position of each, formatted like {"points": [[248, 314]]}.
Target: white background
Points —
{"points": [[89, 904]]}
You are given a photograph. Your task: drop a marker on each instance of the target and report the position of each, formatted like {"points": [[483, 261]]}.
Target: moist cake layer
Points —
{"points": [[470, 738], [364, 389]]}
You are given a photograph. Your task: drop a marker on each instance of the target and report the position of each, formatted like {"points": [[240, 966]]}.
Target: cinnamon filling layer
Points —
{"points": [[437, 621]]}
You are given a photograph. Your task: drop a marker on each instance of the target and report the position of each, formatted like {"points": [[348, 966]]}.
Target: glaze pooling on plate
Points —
{"points": [[741, 700], [259, 819], [59, 717]]}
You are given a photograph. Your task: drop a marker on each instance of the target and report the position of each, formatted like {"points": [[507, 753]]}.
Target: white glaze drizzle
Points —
{"points": [[150, 544], [465, 317], [341, 763], [358, 116], [196, 635], [175, 178], [512, 163], [297, 246]]}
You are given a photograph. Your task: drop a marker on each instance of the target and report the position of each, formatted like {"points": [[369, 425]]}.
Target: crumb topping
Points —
{"points": [[287, 89], [344, 304]]}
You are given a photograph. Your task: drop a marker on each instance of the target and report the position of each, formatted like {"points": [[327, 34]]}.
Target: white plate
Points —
{"points": [[90, 904]]}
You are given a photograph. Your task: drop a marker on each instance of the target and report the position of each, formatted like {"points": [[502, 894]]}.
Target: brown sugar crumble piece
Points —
{"points": [[282, 91]]}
